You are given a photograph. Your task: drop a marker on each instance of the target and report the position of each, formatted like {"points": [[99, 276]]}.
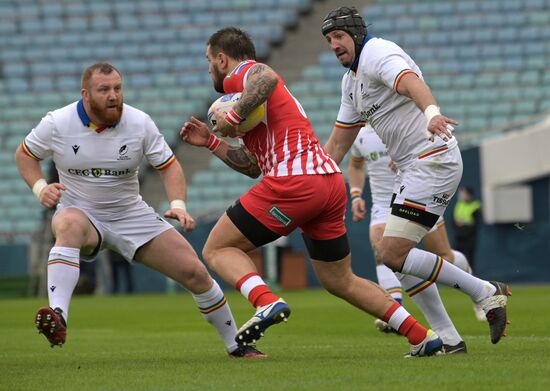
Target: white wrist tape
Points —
{"points": [[178, 204], [38, 186], [431, 111]]}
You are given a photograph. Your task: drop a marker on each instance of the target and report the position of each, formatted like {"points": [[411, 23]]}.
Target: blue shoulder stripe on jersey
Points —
{"points": [[240, 68], [355, 64], [82, 113]]}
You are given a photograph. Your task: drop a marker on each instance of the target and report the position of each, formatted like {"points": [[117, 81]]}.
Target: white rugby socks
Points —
{"points": [[387, 280], [461, 262], [63, 273], [426, 296], [215, 309], [433, 268]]}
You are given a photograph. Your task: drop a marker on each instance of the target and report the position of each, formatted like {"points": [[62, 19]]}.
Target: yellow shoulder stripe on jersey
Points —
{"points": [[28, 152], [166, 163], [400, 76], [346, 125]]}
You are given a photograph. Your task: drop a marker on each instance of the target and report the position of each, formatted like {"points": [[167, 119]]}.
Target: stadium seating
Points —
{"points": [[159, 47], [486, 61]]}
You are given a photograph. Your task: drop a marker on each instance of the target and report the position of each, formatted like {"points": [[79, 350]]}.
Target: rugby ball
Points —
{"points": [[226, 102]]}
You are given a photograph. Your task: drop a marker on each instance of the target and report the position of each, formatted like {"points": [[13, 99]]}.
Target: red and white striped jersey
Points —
{"points": [[284, 142]]}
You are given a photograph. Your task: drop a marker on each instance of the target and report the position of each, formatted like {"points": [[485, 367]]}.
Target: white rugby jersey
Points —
{"points": [[369, 147], [99, 167], [370, 95]]}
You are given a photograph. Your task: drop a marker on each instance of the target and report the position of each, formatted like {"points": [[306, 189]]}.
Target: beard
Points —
{"points": [[346, 62], [217, 80], [106, 116]]}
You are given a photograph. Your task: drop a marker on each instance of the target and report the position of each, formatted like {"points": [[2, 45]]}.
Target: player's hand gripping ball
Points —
{"points": [[226, 102]]}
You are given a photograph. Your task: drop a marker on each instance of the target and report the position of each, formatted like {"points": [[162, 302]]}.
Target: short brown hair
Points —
{"points": [[234, 42], [101, 67]]}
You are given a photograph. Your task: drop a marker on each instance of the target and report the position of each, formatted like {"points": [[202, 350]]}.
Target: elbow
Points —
{"points": [[19, 154], [254, 174]]}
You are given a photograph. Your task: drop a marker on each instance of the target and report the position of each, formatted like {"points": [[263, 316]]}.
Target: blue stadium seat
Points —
{"points": [[533, 93], [43, 84], [68, 83], [523, 107], [535, 4], [508, 34], [513, 49], [17, 84], [103, 23], [127, 22], [472, 21], [124, 7], [511, 6], [514, 63], [529, 78], [493, 65], [77, 9], [148, 7], [507, 78], [8, 27], [467, 6], [463, 81], [100, 7], [489, 6]]}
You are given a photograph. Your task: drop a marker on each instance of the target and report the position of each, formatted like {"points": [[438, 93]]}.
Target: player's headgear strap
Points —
{"points": [[346, 19]]}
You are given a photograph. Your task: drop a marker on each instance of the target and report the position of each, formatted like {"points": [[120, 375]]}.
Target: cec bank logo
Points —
{"points": [[98, 172]]}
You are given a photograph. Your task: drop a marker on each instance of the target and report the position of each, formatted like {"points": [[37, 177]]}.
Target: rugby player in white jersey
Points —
{"points": [[384, 87], [97, 145], [369, 152]]}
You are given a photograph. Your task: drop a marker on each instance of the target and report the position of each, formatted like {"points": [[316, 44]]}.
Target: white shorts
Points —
{"points": [[379, 215], [126, 231], [425, 188]]}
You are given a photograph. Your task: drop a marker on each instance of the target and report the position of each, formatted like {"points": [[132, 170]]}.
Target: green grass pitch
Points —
{"points": [[162, 343]]}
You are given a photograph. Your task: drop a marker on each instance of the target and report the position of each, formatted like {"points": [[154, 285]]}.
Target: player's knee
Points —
{"points": [[208, 254], [194, 278], [336, 287], [70, 223], [391, 256], [376, 253], [447, 255], [336, 284]]}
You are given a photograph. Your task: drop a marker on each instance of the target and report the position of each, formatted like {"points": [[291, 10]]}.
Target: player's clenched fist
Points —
{"points": [[51, 194], [358, 209]]}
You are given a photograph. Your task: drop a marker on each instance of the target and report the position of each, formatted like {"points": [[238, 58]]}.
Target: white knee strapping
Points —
{"points": [[403, 228]]}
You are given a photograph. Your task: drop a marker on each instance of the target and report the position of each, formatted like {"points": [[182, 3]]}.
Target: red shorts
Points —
{"points": [[314, 203]]}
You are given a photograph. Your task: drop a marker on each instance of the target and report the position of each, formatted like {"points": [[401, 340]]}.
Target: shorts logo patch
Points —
{"points": [[442, 200], [279, 215]]}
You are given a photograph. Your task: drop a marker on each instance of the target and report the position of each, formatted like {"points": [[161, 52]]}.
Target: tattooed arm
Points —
{"points": [[195, 132], [260, 84], [239, 159]]}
